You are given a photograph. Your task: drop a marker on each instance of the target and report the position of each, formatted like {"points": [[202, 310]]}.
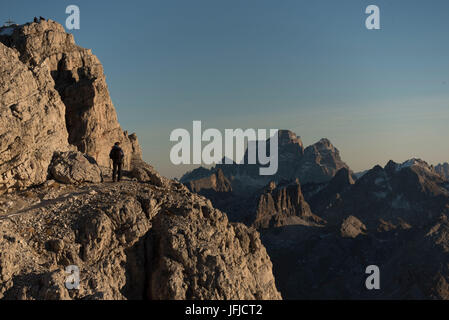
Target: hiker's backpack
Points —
{"points": [[116, 154]]}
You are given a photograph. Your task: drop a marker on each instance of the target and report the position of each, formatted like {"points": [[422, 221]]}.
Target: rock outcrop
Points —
{"points": [[71, 78], [322, 196], [400, 195], [129, 240], [198, 255], [32, 121], [73, 167], [216, 182], [284, 204], [143, 172], [320, 163]]}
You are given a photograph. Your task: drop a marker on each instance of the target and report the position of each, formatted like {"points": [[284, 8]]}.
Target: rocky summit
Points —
{"points": [[53, 97], [146, 237]]}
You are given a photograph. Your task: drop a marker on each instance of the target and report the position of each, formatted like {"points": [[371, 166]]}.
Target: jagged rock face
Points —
{"points": [[317, 163], [32, 121], [73, 167], [195, 174], [320, 163], [216, 182], [272, 206], [443, 170], [322, 196], [213, 260], [396, 196], [90, 116], [322, 263], [130, 240], [283, 205], [393, 217], [150, 238]]}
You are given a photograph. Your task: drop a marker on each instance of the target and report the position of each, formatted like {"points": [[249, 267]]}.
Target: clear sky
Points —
{"points": [[308, 66]]}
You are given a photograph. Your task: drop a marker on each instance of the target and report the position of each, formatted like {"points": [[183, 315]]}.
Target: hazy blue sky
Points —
{"points": [[308, 66]]}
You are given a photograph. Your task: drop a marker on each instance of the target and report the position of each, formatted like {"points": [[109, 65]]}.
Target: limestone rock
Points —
{"points": [[32, 121], [131, 241], [216, 182], [352, 227], [144, 172], [211, 259], [90, 117], [73, 167], [284, 204]]}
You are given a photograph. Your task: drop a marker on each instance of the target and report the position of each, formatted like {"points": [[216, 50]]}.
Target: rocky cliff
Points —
{"points": [[53, 96], [32, 121], [146, 237]]}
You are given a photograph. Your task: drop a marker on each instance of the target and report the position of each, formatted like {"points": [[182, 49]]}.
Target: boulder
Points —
{"points": [[143, 172], [74, 167], [65, 82]]}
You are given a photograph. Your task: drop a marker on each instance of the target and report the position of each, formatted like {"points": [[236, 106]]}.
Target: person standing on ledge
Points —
{"points": [[117, 155]]}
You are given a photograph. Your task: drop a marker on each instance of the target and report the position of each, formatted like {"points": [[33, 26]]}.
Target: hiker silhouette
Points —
{"points": [[116, 155]]}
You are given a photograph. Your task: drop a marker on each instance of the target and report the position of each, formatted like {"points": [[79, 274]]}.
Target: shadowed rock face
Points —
{"points": [[283, 205], [443, 170], [77, 75], [398, 195], [322, 263], [216, 182], [393, 217], [272, 206], [321, 196]]}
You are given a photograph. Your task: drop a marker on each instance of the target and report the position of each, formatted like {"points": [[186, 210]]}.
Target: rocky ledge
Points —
{"points": [[130, 240]]}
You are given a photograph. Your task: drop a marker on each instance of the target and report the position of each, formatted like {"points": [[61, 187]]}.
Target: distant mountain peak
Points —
{"points": [[289, 137], [443, 170], [414, 162]]}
